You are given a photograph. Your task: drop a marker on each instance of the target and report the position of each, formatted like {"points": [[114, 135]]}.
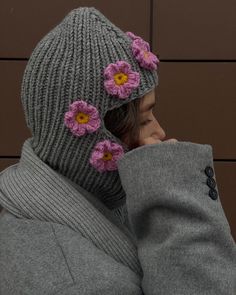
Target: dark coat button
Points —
{"points": [[213, 194], [211, 182], [209, 171]]}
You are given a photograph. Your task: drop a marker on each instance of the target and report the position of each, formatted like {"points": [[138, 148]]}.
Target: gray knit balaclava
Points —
{"points": [[80, 70]]}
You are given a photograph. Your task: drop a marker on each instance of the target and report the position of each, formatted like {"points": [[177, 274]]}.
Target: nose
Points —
{"points": [[160, 132]]}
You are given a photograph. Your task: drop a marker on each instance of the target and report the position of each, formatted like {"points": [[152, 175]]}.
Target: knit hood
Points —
{"points": [[81, 69]]}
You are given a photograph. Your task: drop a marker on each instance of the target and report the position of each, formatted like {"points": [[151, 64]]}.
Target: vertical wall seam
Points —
{"points": [[151, 24]]}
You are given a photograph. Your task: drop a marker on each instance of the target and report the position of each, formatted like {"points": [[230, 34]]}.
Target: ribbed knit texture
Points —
{"points": [[66, 65], [31, 189]]}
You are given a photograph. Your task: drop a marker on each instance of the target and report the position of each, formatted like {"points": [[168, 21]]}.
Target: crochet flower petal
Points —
{"points": [[123, 92], [111, 87], [79, 131], [124, 67], [120, 80], [134, 79], [110, 70], [140, 45], [132, 35], [82, 118], [105, 155], [147, 60]]}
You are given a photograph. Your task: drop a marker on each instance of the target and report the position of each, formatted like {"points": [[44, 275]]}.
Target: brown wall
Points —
{"points": [[197, 92]]}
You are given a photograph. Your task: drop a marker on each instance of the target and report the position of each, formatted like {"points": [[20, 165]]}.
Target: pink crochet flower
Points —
{"points": [[82, 118], [142, 53], [105, 155], [120, 79]]}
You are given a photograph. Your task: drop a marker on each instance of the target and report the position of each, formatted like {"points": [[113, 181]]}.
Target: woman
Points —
{"points": [[135, 124], [100, 202]]}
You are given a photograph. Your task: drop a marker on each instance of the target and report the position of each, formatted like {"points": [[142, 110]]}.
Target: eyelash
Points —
{"points": [[146, 122]]}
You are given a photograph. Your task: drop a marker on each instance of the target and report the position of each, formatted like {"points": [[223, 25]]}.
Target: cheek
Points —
{"points": [[149, 129], [146, 131]]}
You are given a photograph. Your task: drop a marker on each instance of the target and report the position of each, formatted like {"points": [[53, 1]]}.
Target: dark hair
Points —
{"points": [[124, 122]]}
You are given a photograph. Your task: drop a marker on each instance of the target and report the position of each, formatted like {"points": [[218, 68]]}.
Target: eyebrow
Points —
{"points": [[149, 106]]}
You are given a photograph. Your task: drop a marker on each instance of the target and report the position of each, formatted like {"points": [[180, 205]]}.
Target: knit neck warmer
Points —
{"points": [[31, 189]]}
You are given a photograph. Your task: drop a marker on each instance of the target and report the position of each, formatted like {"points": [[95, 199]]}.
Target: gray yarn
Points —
{"points": [[67, 64], [31, 189]]}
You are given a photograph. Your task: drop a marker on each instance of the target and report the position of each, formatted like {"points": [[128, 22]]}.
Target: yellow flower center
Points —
{"points": [[146, 54], [120, 78], [82, 118], [107, 156]]}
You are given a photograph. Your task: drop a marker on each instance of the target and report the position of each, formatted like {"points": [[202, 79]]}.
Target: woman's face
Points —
{"points": [[149, 124]]}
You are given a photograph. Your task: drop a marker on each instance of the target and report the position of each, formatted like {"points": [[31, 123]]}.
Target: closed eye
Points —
{"points": [[146, 122]]}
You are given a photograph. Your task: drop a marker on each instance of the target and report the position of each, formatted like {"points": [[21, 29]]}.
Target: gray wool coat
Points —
{"points": [[171, 235]]}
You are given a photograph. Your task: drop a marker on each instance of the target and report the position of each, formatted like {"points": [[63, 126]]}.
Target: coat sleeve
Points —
{"points": [[185, 244]]}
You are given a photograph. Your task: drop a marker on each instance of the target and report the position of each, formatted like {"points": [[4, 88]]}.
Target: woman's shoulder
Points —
{"points": [[42, 257], [33, 234], [31, 256], [12, 224]]}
